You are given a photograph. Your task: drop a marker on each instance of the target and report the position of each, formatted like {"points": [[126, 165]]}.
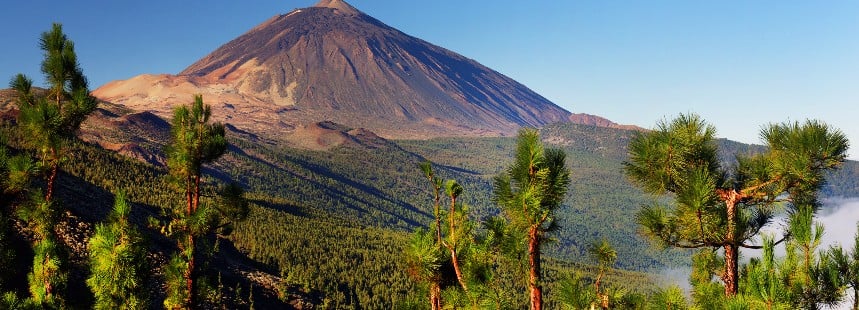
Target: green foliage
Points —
{"points": [[232, 207], [6, 253], [763, 286], [196, 142], [48, 277], [117, 261], [593, 213], [604, 256], [706, 265], [351, 264], [174, 278], [716, 207], [529, 193], [535, 185], [847, 265], [11, 301], [423, 256], [668, 298], [813, 280], [41, 216], [48, 121], [575, 293], [53, 118]]}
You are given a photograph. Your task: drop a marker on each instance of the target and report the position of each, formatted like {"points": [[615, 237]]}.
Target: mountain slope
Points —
{"points": [[331, 62]]}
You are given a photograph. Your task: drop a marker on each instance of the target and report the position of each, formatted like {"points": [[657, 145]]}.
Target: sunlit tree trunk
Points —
{"points": [[731, 250], [435, 296], [534, 263]]}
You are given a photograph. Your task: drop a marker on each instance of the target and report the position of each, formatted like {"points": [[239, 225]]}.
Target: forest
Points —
{"points": [[565, 217]]}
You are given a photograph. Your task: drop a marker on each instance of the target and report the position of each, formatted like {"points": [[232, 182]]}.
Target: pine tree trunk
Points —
{"points": [[437, 209], [597, 283], [196, 200], [49, 289], [457, 269], [731, 273], [534, 275], [597, 290], [437, 226], [731, 270], [435, 295], [193, 197], [452, 246], [52, 176], [189, 274]]}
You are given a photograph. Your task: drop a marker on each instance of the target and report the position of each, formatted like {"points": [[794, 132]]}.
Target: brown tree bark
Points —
{"points": [[193, 197], [534, 263], [731, 270], [597, 287], [435, 295], [731, 273], [452, 246], [49, 289], [189, 274], [52, 176]]}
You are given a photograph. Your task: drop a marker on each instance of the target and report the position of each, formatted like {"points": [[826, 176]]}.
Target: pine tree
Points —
{"points": [[725, 208], [117, 261], [707, 265], [195, 142], [812, 279], [848, 267], [670, 298], [529, 193], [48, 276], [6, 253], [15, 177], [49, 121], [496, 252], [574, 293], [424, 260], [605, 256], [458, 230], [763, 286]]}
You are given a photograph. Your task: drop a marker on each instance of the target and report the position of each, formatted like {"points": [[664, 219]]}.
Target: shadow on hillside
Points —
{"points": [[335, 190], [372, 191], [286, 208], [90, 204], [240, 274]]}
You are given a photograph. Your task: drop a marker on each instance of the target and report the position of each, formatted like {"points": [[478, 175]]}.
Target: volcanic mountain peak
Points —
{"points": [[338, 5], [314, 65]]}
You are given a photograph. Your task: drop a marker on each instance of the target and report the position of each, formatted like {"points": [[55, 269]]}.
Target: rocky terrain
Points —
{"points": [[333, 63]]}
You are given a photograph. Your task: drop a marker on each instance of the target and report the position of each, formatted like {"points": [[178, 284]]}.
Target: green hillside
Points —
{"points": [[328, 227]]}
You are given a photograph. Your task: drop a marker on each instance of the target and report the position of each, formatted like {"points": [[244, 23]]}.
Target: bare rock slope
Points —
{"points": [[331, 62]]}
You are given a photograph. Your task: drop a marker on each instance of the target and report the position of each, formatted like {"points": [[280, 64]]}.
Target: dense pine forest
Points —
{"points": [[200, 214]]}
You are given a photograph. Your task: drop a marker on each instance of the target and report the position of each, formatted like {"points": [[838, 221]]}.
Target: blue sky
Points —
{"points": [[739, 64]]}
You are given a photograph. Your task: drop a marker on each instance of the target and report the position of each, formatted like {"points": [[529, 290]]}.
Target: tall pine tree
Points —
{"points": [[118, 261], [195, 142], [723, 208], [529, 193], [49, 120]]}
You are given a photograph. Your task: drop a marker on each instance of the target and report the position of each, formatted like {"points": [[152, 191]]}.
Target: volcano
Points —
{"points": [[333, 63]]}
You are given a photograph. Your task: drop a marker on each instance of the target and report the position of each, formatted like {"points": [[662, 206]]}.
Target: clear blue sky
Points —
{"points": [[739, 64]]}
